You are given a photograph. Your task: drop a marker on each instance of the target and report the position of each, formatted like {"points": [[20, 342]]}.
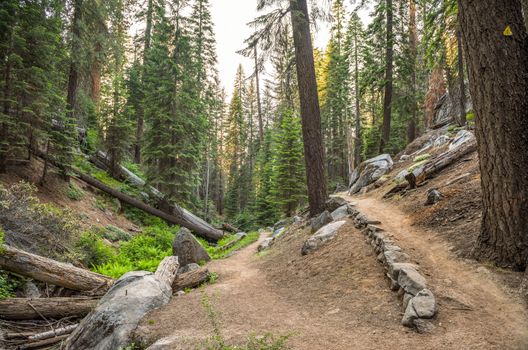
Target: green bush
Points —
{"points": [[115, 234], [141, 218], [8, 285], [143, 252], [93, 250], [217, 251], [75, 193]]}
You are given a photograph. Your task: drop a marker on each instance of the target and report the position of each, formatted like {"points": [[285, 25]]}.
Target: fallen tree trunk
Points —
{"points": [[42, 343], [111, 324], [207, 232], [439, 163], [191, 279], [54, 333], [33, 309], [230, 228], [201, 227], [239, 236], [52, 271]]}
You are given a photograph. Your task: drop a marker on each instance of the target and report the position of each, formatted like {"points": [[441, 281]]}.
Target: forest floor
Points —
{"points": [[338, 297]]}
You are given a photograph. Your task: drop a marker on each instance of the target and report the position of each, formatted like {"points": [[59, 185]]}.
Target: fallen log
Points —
{"points": [[33, 309], [53, 333], [239, 236], [42, 343], [191, 279], [201, 227], [229, 228], [111, 324], [52, 271], [182, 219], [439, 163]]}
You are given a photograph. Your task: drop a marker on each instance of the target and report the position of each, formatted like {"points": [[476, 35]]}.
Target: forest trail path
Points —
{"points": [[458, 284], [337, 298]]}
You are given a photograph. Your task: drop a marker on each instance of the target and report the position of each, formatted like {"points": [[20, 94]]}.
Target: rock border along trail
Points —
{"points": [[337, 297]]}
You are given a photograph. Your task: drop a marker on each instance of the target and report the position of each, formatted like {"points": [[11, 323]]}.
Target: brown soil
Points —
{"points": [[338, 297]]}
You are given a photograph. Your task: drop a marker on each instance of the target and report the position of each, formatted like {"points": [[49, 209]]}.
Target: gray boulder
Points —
{"points": [[433, 196], [334, 202], [323, 235], [110, 325], [411, 281], [187, 248], [323, 219], [188, 268], [447, 109], [423, 305], [369, 172], [340, 212], [265, 244], [278, 232]]}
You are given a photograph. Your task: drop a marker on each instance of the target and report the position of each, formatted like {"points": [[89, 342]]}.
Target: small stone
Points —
{"points": [[433, 196], [335, 202], [423, 326], [180, 293], [265, 244], [394, 268], [424, 304], [188, 268]]}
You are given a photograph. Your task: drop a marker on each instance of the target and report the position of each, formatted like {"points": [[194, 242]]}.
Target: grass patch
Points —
{"points": [[422, 157], [217, 252]]}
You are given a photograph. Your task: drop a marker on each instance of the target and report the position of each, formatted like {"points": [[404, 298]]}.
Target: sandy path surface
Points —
{"points": [[338, 298]]}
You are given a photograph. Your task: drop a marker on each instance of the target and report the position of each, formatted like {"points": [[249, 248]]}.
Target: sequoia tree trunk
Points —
{"points": [[387, 99], [498, 75], [310, 111], [461, 83]]}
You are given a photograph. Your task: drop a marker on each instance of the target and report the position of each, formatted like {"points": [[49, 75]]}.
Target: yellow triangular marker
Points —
{"points": [[507, 31]]}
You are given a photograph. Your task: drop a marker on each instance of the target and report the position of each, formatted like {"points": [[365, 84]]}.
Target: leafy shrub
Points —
{"points": [[143, 252], [141, 218], [93, 250], [75, 193], [115, 234], [43, 229], [8, 285]]}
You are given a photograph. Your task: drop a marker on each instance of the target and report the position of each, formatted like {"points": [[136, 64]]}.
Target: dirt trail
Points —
{"points": [[338, 298]]}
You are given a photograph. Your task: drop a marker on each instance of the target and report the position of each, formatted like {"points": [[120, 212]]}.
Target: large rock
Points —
{"points": [[370, 171], [324, 218], [334, 202], [423, 305], [411, 281], [187, 248], [110, 325], [447, 109], [340, 212], [461, 138], [325, 234], [265, 244]]}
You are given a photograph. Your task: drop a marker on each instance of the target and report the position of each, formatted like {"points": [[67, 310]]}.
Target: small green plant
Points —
{"points": [[217, 251], [75, 193], [93, 250], [421, 157], [8, 285], [253, 342], [2, 239], [100, 204], [213, 277], [470, 116], [115, 234]]}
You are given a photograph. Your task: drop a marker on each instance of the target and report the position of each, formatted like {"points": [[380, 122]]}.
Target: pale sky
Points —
{"points": [[231, 18]]}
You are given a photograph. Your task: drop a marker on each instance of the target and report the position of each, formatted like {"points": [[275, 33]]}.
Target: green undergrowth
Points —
{"points": [[141, 252], [217, 252], [8, 285], [216, 341]]}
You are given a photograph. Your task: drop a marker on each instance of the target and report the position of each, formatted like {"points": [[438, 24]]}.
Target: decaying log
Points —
{"points": [[197, 227], [187, 219], [33, 309], [239, 236], [167, 270], [439, 163], [42, 343], [229, 228], [52, 271], [395, 189], [54, 333], [191, 279]]}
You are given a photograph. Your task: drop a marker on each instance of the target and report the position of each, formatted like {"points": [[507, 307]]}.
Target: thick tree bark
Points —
{"points": [[525, 12], [498, 76], [413, 42], [6, 94], [34, 309], [387, 98], [52, 272], [180, 217], [310, 111], [461, 83]]}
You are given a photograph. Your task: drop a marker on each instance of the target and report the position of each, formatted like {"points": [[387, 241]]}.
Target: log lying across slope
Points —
{"points": [[52, 271], [186, 218], [439, 163], [191, 279], [34, 309], [199, 227]]}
